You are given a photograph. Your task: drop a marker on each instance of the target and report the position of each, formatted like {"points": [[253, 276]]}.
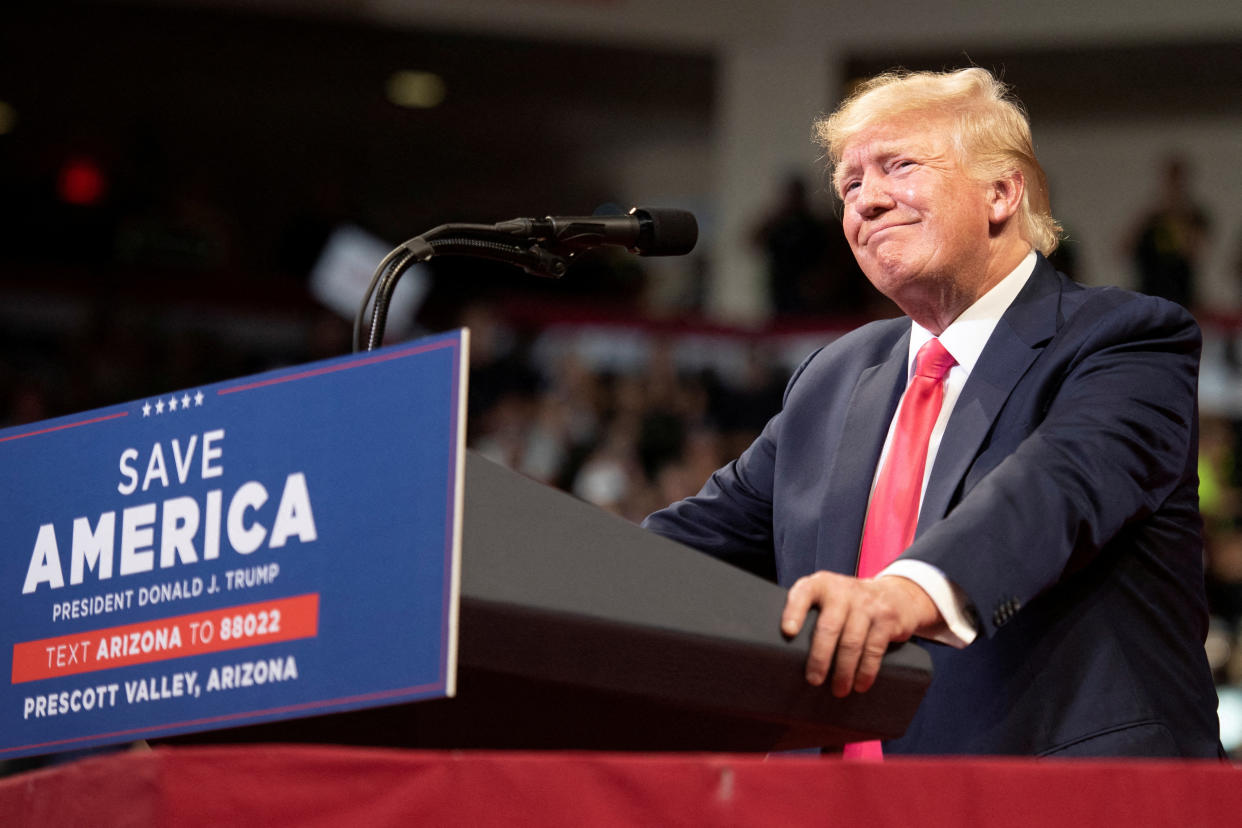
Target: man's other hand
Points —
{"points": [[858, 619]]}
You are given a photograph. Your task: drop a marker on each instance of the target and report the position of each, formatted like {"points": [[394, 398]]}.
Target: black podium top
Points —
{"points": [[685, 651]]}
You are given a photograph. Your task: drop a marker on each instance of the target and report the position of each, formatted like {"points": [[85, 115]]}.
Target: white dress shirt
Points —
{"points": [[964, 339]]}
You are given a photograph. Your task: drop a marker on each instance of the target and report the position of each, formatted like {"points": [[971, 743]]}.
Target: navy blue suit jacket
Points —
{"points": [[1063, 502]]}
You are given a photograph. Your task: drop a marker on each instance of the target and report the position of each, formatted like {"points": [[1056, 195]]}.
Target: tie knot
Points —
{"points": [[933, 361]]}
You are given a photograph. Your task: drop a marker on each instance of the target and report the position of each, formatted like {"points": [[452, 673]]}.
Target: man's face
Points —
{"points": [[917, 222]]}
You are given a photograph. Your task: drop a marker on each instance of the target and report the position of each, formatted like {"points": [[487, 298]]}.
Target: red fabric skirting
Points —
{"points": [[276, 785]]}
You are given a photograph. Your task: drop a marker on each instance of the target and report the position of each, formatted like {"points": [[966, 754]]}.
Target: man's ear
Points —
{"points": [[1005, 196]]}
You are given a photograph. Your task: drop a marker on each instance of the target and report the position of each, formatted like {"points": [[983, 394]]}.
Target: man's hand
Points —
{"points": [[858, 619]]}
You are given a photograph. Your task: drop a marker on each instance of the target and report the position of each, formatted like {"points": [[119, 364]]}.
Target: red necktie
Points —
{"points": [[894, 510]]}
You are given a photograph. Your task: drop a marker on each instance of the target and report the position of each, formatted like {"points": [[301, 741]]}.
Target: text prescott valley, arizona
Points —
{"points": [[161, 687]]}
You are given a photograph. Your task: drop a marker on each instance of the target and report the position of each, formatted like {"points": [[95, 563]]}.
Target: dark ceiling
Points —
{"points": [[271, 124]]}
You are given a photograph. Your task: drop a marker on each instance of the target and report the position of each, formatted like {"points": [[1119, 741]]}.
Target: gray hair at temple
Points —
{"points": [[991, 133]]}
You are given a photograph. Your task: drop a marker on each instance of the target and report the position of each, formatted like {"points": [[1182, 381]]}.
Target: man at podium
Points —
{"points": [[1007, 472]]}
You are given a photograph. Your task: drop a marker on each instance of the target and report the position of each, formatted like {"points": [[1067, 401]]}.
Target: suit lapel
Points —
{"points": [[1018, 339], [872, 404]]}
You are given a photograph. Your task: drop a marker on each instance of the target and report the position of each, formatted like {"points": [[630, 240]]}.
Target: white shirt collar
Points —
{"points": [[967, 335]]}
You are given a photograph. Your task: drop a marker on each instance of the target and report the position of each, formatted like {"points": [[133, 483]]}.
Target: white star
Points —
{"points": [[172, 403], [185, 400], [146, 409], [159, 406], [198, 398]]}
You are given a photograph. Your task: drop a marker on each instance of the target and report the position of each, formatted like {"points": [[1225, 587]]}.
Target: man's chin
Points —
{"points": [[889, 275]]}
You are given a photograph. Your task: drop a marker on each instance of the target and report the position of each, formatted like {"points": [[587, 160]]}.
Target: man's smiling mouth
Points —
{"points": [[877, 231]]}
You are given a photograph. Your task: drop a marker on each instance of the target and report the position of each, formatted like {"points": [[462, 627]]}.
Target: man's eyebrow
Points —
{"points": [[843, 168], [884, 150]]}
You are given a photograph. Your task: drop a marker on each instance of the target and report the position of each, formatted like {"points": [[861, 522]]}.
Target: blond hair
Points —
{"points": [[991, 132]]}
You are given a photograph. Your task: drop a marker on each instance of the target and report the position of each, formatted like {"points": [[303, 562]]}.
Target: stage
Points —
{"points": [[332, 786]]}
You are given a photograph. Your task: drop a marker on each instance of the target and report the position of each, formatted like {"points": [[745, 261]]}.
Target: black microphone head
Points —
{"points": [[665, 231]]}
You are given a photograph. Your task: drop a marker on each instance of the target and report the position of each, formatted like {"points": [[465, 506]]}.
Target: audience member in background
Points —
{"points": [[795, 242], [1168, 241]]}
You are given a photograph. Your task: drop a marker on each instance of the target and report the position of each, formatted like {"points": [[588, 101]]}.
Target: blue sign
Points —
{"points": [[278, 546]]}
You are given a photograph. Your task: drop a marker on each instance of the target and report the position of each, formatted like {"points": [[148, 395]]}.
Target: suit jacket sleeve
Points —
{"points": [[1093, 453], [731, 517]]}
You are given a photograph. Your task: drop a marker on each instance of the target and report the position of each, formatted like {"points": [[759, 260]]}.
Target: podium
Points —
{"points": [[579, 630]]}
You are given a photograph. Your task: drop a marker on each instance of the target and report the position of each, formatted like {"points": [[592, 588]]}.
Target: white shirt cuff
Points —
{"points": [[949, 599]]}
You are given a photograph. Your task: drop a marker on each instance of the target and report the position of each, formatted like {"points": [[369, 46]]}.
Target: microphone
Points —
{"points": [[647, 231]]}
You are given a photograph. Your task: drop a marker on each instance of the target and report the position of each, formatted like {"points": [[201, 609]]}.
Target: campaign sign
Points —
{"points": [[277, 546]]}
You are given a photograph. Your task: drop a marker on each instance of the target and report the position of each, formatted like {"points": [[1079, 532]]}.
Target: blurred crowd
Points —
{"points": [[629, 441]]}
